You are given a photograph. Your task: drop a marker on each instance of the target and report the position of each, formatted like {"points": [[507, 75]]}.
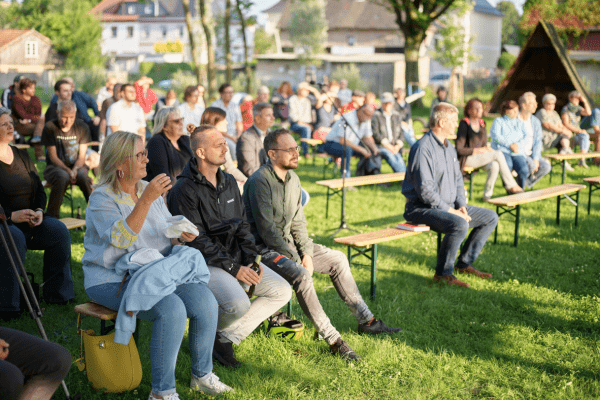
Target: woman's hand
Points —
{"points": [[187, 237], [156, 188], [38, 217], [22, 216]]}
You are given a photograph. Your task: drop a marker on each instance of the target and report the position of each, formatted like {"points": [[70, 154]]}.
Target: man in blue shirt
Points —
{"points": [[435, 196]]}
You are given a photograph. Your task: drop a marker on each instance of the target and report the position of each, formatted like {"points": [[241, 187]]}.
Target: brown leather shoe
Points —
{"points": [[474, 271], [450, 280]]}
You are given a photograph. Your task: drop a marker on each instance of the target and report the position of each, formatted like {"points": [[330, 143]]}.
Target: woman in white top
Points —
{"points": [[191, 110]]}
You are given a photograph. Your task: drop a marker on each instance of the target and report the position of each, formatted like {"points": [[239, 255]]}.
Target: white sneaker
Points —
{"points": [[209, 384], [173, 396], [583, 164], [568, 167]]}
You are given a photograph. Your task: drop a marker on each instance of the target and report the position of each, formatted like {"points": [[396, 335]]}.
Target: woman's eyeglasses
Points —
{"points": [[141, 155]]}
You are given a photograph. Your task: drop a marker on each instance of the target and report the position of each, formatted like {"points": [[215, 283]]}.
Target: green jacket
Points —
{"points": [[274, 212]]}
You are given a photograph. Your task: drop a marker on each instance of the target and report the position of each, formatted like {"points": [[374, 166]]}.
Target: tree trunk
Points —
{"points": [[206, 19], [411, 58], [227, 21], [193, 44], [246, 62]]}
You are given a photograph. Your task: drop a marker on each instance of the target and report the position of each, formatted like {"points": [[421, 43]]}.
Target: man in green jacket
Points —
{"points": [[272, 197]]}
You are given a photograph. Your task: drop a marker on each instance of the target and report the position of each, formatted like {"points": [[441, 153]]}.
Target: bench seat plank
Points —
{"points": [[96, 310], [535, 195], [369, 238], [363, 180], [73, 223]]}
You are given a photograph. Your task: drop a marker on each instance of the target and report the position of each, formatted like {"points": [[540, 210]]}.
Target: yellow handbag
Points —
{"points": [[111, 367]]}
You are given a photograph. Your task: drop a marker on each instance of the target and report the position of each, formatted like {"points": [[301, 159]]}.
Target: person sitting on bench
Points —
{"points": [[386, 125], [435, 196], [23, 198], [359, 128], [66, 141], [273, 201], [572, 114]]}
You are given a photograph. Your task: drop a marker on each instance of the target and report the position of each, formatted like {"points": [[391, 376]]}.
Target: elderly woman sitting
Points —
{"points": [[23, 199], [571, 115], [169, 148], [126, 219], [555, 134]]}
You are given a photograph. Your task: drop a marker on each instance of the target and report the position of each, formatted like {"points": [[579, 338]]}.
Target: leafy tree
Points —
{"points": [[193, 42], [227, 23], [506, 61], [454, 49], [510, 22], [571, 18], [263, 42], [308, 28], [414, 17], [242, 7], [209, 33], [75, 33]]}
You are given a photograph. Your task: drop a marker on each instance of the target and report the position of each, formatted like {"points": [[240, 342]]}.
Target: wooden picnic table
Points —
{"points": [[594, 185], [334, 186], [365, 244], [513, 202], [562, 158]]}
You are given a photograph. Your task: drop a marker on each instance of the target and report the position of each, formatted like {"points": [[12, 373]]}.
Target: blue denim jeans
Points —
{"points": [[54, 238], [169, 318], [583, 140], [409, 137], [591, 120], [337, 150], [304, 132], [455, 229], [518, 162], [542, 171], [395, 160]]}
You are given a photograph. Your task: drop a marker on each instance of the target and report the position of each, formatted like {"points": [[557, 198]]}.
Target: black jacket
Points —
{"points": [[165, 158], [225, 239], [379, 127]]}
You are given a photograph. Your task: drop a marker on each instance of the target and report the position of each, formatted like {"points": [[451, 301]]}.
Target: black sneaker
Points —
{"points": [[342, 349], [376, 326], [223, 352]]}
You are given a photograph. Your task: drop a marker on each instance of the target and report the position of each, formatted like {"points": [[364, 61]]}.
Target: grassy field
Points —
{"points": [[532, 332]]}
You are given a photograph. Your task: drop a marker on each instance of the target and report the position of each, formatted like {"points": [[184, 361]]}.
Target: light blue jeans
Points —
{"points": [[409, 137], [583, 140], [591, 120], [395, 160], [169, 318]]}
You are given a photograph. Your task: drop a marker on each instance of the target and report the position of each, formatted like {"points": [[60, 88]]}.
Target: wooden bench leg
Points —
{"points": [[496, 230], [564, 171], [576, 208], [518, 216], [557, 210], [373, 271], [327, 205], [471, 186]]}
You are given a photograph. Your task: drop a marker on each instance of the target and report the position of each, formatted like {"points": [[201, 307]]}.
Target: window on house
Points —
{"points": [[351, 40], [148, 9], [31, 49], [164, 31], [113, 31], [146, 32], [130, 31], [181, 31], [131, 10]]}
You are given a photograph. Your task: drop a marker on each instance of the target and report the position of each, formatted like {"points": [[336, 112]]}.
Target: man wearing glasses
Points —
{"points": [[272, 197]]}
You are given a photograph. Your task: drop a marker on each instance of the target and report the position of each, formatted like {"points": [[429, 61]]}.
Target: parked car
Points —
{"points": [[438, 80]]}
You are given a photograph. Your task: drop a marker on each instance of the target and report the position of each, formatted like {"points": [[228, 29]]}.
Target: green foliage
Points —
{"points": [[263, 42], [75, 33], [88, 80], [351, 73], [506, 60], [571, 18], [510, 22], [161, 71], [308, 29], [454, 49]]}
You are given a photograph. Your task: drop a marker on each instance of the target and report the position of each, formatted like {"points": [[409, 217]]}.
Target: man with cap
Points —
{"points": [[386, 127], [358, 100]]}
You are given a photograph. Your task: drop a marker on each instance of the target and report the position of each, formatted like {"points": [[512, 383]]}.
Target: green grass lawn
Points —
{"points": [[530, 332]]}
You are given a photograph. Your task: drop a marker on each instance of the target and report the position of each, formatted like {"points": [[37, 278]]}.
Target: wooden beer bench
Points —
{"points": [[95, 310], [512, 204], [73, 223], [594, 185], [365, 244], [334, 186], [562, 158]]}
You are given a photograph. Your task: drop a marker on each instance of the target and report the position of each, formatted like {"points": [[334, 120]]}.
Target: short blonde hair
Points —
{"points": [[440, 112], [117, 148]]}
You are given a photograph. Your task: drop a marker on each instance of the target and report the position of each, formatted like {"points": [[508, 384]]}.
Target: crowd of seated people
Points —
{"points": [[186, 167]]}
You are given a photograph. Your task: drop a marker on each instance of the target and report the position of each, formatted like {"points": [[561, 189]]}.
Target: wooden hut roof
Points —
{"points": [[542, 66]]}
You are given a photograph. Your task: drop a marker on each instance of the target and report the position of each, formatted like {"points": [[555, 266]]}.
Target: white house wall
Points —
{"points": [[487, 33]]}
